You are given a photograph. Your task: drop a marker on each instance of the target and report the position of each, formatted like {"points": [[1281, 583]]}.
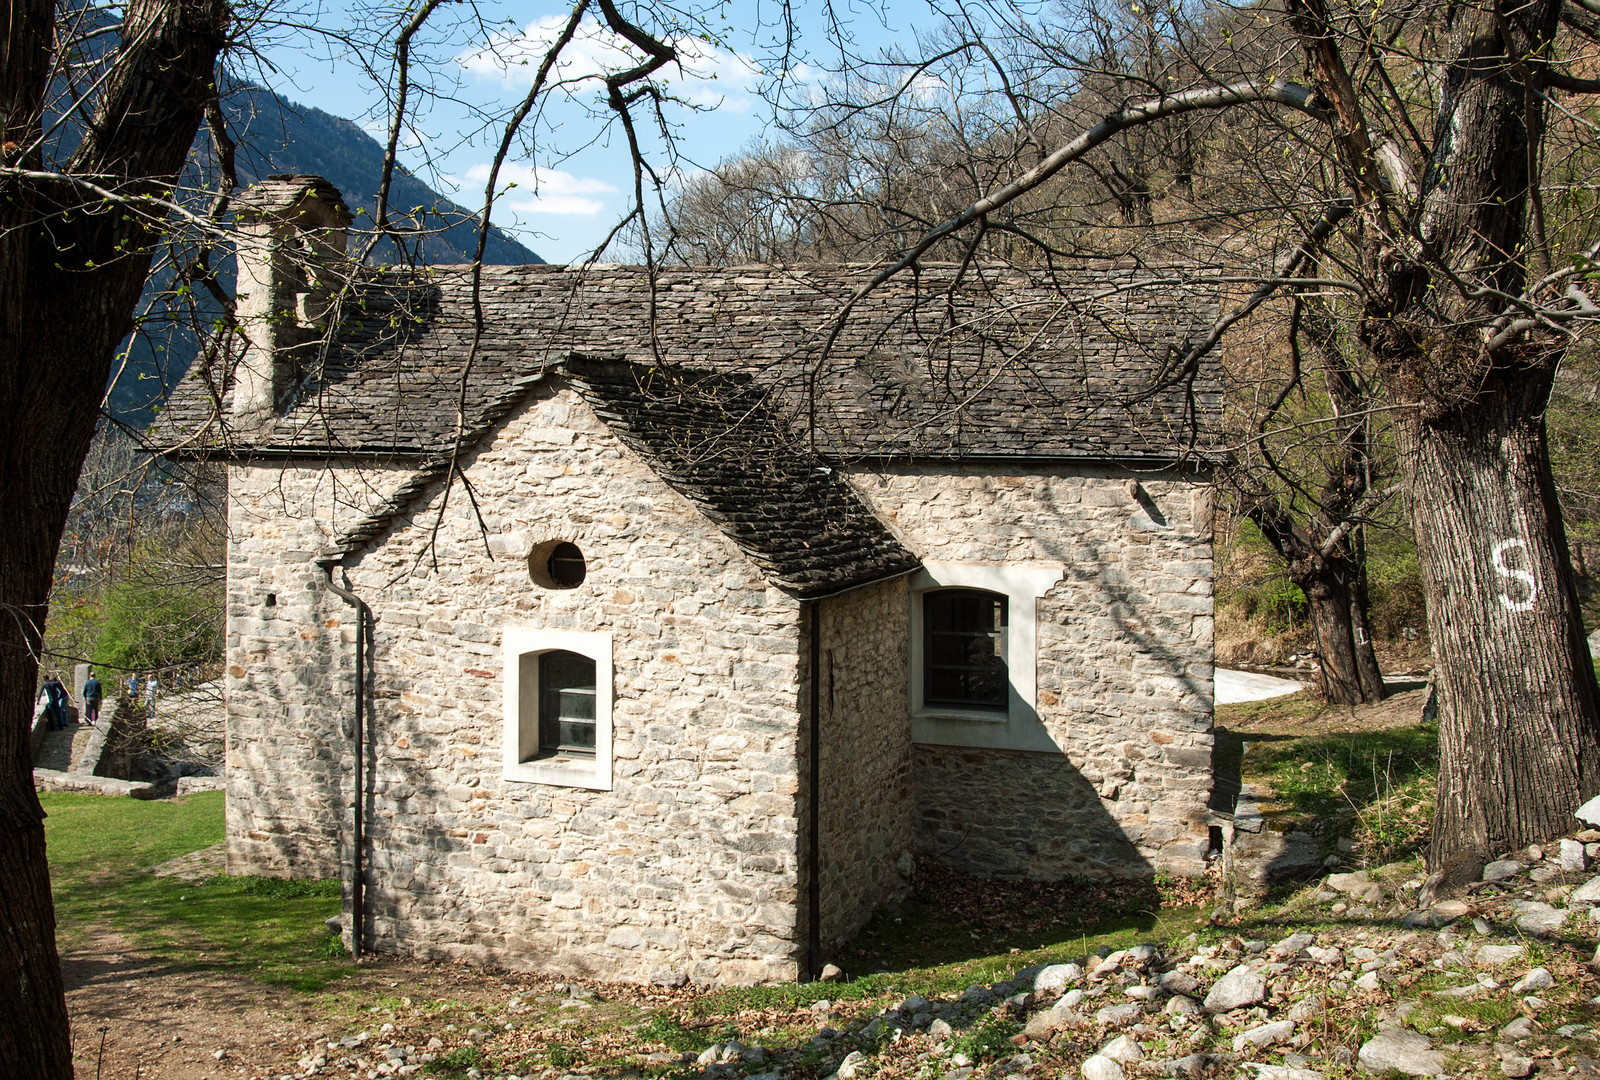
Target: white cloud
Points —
{"points": [[538, 190], [705, 74]]}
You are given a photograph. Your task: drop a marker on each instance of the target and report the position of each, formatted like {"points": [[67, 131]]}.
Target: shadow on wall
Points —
{"points": [[1112, 636], [1007, 814]]}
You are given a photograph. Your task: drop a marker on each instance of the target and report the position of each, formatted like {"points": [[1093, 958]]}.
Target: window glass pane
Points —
{"points": [[964, 649], [566, 703]]}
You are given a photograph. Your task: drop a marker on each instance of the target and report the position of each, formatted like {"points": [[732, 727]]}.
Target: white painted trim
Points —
{"points": [[1020, 727], [520, 708]]}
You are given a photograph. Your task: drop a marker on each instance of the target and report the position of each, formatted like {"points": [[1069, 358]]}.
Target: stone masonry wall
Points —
{"points": [[1124, 669], [287, 686], [688, 867], [865, 834]]}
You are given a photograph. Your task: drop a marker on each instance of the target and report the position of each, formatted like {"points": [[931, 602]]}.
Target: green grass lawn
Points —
{"points": [[100, 850]]}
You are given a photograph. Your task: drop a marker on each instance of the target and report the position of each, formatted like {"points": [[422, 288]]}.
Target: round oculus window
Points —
{"points": [[557, 564]]}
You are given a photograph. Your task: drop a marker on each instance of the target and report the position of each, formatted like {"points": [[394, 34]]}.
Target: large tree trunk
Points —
{"points": [[1519, 736], [1519, 740], [71, 270]]}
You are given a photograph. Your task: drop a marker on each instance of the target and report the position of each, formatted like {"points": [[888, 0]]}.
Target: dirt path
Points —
{"points": [[158, 1022], [134, 1016]]}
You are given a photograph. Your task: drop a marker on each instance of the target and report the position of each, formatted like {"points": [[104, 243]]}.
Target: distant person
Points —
{"points": [[55, 703], [132, 686], [92, 693], [151, 687]]}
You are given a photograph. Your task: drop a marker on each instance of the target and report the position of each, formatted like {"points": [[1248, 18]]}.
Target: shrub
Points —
{"points": [[152, 621]]}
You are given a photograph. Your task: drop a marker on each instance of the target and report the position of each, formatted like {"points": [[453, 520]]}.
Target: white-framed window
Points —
{"points": [[974, 654], [557, 700]]}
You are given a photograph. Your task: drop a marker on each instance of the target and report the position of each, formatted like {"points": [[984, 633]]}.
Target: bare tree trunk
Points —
{"points": [[1326, 581], [1517, 698], [1360, 626], [1328, 596]]}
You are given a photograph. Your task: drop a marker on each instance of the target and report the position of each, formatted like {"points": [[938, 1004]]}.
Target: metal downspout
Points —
{"points": [[363, 620], [814, 812]]}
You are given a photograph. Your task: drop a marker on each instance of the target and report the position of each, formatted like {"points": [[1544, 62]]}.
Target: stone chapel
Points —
{"points": [[654, 626]]}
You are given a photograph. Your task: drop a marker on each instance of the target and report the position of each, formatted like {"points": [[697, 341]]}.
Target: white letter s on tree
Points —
{"points": [[1523, 576]]}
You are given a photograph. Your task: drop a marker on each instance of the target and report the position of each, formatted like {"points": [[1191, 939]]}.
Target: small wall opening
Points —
{"points": [[557, 564]]}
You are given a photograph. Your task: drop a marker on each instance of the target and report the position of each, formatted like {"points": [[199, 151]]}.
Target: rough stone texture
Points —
{"points": [[1055, 978], [1097, 1067], [82, 784], [865, 834], [1124, 668], [1235, 990], [1491, 955], [1403, 1050], [689, 864]]}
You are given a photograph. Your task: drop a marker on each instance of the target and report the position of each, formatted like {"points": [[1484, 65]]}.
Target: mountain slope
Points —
{"points": [[274, 135]]}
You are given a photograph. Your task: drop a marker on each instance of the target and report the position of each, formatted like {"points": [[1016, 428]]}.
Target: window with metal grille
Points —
{"points": [[566, 703], [964, 650]]}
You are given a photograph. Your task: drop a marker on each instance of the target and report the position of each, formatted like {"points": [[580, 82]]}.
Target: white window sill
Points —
{"points": [[971, 716], [559, 771]]}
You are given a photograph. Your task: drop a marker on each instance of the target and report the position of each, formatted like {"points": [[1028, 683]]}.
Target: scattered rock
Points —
{"points": [[1101, 1068], [1535, 980], [1449, 910], [1403, 1050], [1357, 886], [1494, 955], [831, 973], [1181, 1005], [1119, 1015], [1520, 1028], [850, 1065], [1281, 1072], [941, 1029], [1123, 1049], [1191, 1067], [1501, 869], [1513, 1064], [1042, 1025], [1325, 957], [1587, 893], [1237, 989], [1056, 978], [1572, 858], [1178, 982], [1291, 946], [1542, 923], [1307, 1008], [1263, 1035]]}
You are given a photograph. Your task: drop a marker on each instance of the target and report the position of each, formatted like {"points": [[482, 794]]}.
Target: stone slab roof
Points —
{"points": [[712, 437], [997, 364]]}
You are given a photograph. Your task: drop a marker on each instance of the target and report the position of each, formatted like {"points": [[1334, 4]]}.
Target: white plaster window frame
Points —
{"points": [[521, 708], [1019, 727]]}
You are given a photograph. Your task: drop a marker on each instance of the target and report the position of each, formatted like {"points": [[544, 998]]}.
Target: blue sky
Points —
{"points": [[574, 181]]}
